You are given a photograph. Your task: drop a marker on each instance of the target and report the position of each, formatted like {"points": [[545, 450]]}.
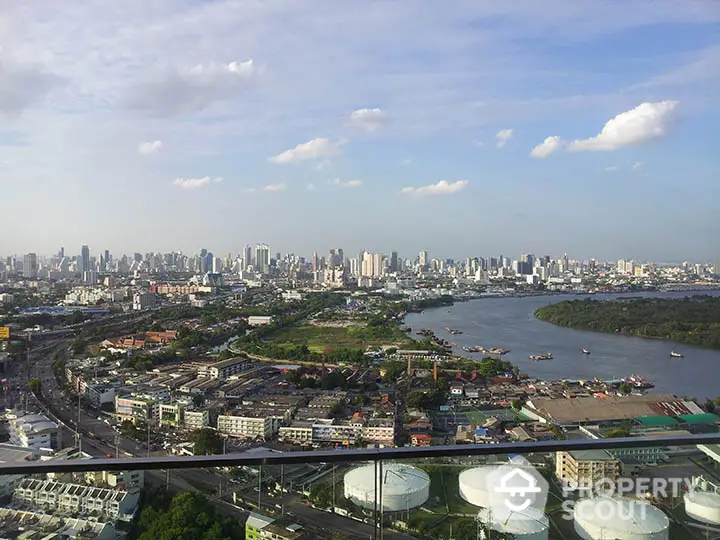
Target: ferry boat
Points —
{"points": [[586, 350], [475, 349], [536, 357], [498, 350], [676, 354]]}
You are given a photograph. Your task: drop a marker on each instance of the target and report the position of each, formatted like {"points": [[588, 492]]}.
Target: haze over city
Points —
{"points": [[543, 127]]}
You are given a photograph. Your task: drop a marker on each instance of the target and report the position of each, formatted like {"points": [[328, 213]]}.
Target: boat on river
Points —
{"points": [[676, 354], [453, 332], [586, 350], [475, 349], [536, 357]]}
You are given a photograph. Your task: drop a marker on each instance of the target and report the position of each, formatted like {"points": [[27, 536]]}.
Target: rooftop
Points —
{"points": [[591, 455]]}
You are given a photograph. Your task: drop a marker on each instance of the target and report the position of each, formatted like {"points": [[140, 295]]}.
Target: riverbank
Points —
{"points": [[508, 322], [692, 320]]}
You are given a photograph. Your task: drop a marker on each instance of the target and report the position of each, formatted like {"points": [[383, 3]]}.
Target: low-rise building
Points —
{"points": [[259, 527], [256, 423], [125, 479], [259, 320], [77, 498], [34, 431], [196, 419], [585, 469], [225, 368], [24, 524], [135, 408], [144, 300], [299, 431]]}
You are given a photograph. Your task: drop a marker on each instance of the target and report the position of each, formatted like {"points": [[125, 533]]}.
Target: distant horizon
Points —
{"points": [[350, 254], [492, 126]]}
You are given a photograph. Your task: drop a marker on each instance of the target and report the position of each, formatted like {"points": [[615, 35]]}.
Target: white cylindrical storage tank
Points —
{"points": [[703, 506], [403, 486], [530, 524], [472, 485], [626, 519]]}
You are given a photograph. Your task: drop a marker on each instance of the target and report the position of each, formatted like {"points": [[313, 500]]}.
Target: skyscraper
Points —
{"points": [[85, 259], [262, 258], [248, 256], [423, 259], [30, 265], [394, 261]]}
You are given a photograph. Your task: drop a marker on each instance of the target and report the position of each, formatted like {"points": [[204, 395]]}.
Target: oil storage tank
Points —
{"points": [[704, 506], [528, 524], [403, 486], [472, 485], [618, 518]]}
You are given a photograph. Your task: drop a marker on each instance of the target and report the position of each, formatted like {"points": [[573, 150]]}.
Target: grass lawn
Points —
{"points": [[319, 338], [444, 495]]}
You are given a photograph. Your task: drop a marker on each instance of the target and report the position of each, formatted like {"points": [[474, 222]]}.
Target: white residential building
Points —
{"points": [[77, 498], [225, 368], [34, 431], [252, 424], [143, 300]]}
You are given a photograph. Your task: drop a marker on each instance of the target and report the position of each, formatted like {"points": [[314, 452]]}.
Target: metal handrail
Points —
{"points": [[350, 455]]}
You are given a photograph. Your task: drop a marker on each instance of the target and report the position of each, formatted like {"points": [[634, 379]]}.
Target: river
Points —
{"points": [[509, 323]]}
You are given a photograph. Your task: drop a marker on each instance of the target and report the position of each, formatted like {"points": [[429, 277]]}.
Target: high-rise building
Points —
{"points": [[423, 259], [248, 256], [84, 262], [61, 253], [315, 262], [394, 261], [30, 265], [262, 258]]}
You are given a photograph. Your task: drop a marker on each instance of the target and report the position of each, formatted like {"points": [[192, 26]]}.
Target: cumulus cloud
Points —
{"points": [[443, 187], [503, 136], [612, 168], [644, 123], [368, 119], [637, 165], [194, 183], [314, 149], [150, 147], [347, 183], [274, 187], [547, 147], [192, 90]]}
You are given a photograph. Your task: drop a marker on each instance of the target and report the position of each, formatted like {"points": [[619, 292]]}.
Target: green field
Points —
{"points": [[320, 338]]}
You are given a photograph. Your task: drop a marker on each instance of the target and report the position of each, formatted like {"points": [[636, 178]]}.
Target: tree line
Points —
{"points": [[694, 320]]}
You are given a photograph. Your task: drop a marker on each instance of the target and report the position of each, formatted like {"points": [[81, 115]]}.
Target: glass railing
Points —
{"points": [[662, 486]]}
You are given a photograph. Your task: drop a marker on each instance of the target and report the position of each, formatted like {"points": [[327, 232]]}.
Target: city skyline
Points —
{"points": [[521, 127]]}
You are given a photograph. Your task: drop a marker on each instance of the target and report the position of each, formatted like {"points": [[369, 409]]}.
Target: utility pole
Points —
{"points": [[148, 441], [259, 486]]}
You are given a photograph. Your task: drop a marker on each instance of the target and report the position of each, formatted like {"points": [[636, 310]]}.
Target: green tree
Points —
{"points": [[206, 441], [34, 385], [188, 515], [625, 388], [78, 346], [517, 404]]}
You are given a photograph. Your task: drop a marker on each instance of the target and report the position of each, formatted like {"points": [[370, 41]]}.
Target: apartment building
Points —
{"points": [[225, 368], [263, 423], [196, 419], [299, 432], [135, 408], [126, 479], [34, 431], [374, 430], [77, 498], [584, 469]]}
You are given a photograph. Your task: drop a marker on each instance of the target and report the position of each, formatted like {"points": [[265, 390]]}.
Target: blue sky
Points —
{"points": [[559, 126]]}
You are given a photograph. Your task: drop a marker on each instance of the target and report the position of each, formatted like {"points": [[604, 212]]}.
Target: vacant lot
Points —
{"points": [[320, 338]]}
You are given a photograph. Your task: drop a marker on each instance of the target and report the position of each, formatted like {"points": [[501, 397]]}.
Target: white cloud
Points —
{"points": [[637, 165], [314, 149], [311, 187], [192, 90], [479, 144], [368, 119], [443, 187], [347, 183], [644, 123], [547, 147], [322, 165], [503, 136], [150, 147], [612, 168], [406, 162], [274, 187], [194, 183]]}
